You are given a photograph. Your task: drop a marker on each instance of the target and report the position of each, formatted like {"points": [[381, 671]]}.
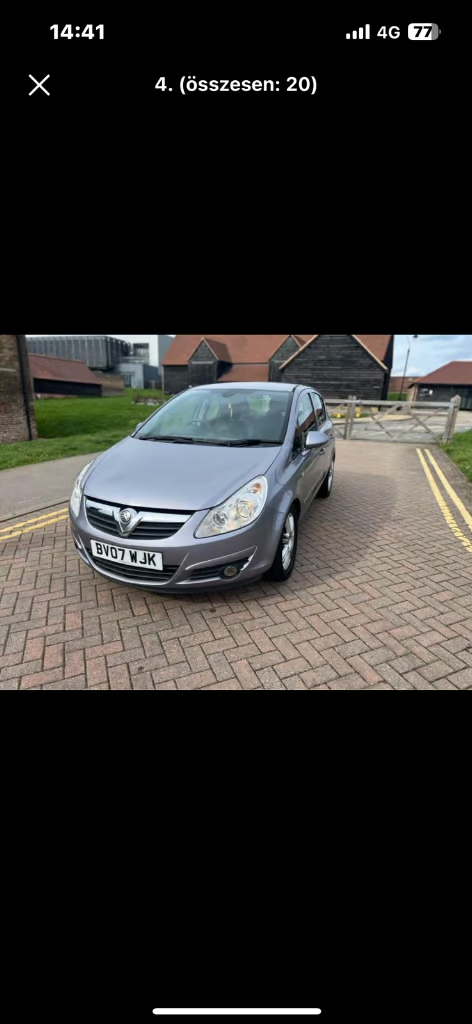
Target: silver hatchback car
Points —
{"points": [[209, 492]]}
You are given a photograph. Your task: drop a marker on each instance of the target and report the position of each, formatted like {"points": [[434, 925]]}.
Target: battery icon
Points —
{"points": [[427, 30]]}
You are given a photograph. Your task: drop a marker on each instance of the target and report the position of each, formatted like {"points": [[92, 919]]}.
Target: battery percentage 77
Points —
{"points": [[424, 31]]}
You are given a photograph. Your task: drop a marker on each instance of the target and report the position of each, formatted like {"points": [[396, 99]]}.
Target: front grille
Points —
{"points": [[102, 522], [145, 530], [129, 571], [155, 531], [216, 571]]}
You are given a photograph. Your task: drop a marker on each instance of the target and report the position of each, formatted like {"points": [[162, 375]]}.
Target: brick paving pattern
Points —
{"points": [[381, 599]]}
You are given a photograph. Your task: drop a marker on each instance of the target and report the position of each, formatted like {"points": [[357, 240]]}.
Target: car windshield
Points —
{"points": [[215, 415]]}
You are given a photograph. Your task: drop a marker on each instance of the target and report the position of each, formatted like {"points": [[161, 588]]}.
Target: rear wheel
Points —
{"points": [[327, 485], [284, 560]]}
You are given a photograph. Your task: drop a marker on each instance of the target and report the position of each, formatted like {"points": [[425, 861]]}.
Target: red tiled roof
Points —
{"points": [[219, 349], [458, 372], [181, 348], [51, 368], [254, 348], [376, 344], [241, 348], [246, 372]]}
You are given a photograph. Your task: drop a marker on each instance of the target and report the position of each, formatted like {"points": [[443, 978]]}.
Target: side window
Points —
{"points": [[305, 421], [320, 411]]}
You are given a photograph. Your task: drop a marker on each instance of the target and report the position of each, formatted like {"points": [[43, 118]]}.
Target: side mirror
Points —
{"points": [[315, 439], [137, 427]]}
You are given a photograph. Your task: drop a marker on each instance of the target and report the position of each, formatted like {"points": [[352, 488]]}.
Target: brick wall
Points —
{"points": [[13, 416]]}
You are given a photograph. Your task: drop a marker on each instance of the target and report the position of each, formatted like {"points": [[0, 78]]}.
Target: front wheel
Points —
{"points": [[327, 485], [284, 560]]}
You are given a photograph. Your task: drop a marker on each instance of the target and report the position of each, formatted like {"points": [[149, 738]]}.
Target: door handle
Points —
{"points": [[322, 451]]}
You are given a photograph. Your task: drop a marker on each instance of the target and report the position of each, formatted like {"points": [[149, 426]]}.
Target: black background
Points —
{"points": [[206, 851], [182, 854], [352, 201]]}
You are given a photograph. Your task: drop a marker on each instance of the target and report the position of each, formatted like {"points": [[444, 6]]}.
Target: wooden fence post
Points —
{"points": [[452, 419], [350, 413]]}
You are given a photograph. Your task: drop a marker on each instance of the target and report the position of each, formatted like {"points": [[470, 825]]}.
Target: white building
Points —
{"points": [[140, 340], [147, 348]]}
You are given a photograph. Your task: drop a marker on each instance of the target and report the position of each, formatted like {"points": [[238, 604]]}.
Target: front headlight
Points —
{"points": [[241, 509], [76, 496]]}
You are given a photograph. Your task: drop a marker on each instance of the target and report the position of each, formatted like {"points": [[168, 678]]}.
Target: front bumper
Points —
{"points": [[188, 564]]}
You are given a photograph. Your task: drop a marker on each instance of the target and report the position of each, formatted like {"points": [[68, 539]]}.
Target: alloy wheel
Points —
{"points": [[288, 540]]}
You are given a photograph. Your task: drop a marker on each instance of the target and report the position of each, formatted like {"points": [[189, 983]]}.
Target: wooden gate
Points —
{"points": [[406, 422]]}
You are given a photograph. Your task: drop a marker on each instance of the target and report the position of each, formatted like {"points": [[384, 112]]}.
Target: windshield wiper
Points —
{"points": [[169, 437], [248, 444], [179, 438]]}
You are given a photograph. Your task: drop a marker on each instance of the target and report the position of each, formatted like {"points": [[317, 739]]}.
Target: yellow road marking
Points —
{"points": [[451, 522], [40, 526], [451, 492], [35, 519]]}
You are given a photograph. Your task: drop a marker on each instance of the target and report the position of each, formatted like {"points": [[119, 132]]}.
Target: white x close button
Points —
{"points": [[39, 85]]}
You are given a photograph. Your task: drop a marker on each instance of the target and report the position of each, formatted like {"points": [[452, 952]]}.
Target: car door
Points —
{"points": [[325, 426], [306, 461]]}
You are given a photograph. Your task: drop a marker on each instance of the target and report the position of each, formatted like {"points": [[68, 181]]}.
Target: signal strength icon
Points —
{"points": [[361, 33]]}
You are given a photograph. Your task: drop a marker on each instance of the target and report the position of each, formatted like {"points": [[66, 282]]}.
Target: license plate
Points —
{"points": [[126, 556]]}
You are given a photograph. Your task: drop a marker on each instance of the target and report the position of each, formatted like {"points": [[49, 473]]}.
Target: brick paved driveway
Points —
{"points": [[381, 599]]}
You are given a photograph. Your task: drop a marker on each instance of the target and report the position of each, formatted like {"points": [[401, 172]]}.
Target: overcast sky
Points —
{"points": [[429, 351]]}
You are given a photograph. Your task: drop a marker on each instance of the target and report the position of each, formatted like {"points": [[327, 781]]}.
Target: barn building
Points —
{"points": [[445, 383], [63, 378], [338, 364]]}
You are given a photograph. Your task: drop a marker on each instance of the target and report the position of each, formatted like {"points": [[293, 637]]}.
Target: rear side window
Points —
{"points": [[320, 409]]}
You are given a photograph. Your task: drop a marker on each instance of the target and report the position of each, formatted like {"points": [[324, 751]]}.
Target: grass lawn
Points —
{"points": [[77, 426], [460, 451]]}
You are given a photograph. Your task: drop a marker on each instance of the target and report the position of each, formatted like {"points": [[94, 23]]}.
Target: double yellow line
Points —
{"points": [[465, 540], [47, 519]]}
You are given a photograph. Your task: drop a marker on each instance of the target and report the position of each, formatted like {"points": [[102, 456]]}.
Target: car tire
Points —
{"points": [[327, 485], [286, 553]]}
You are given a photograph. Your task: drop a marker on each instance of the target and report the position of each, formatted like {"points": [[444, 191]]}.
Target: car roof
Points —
{"points": [[244, 385]]}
